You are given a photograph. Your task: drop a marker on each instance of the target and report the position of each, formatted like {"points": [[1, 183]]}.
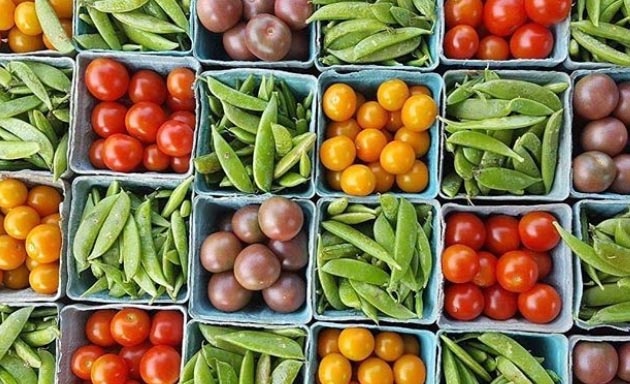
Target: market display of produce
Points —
{"points": [[314, 191]]}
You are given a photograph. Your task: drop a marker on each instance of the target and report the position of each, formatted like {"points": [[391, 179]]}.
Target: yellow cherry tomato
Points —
{"points": [[358, 180], [12, 253], [54, 218], [414, 181], [339, 102], [419, 90], [13, 192], [20, 220], [419, 141], [63, 8], [45, 278], [26, 19], [389, 346], [334, 369], [16, 278], [44, 199], [348, 128], [384, 181], [369, 144], [419, 113], [30, 263], [337, 153], [333, 179], [375, 371], [395, 121], [7, 16], [410, 369], [397, 157], [392, 94], [371, 115], [21, 43], [411, 345], [43, 243], [327, 342], [355, 343]]}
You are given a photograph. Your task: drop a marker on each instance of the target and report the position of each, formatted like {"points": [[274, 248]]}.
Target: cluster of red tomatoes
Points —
{"points": [[137, 131], [497, 268], [500, 29], [128, 346]]}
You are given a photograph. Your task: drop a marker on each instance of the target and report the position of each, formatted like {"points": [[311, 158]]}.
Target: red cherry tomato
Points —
{"points": [[147, 85], [108, 117], [502, 234], [493, 48], [167, 328], [180, 164], [122, 153], [131, 326], [175, 104], [466, 12], [460, 263], [184, 117], [500, 304], [465, 228], [97, 328], [83, 359], [96, 154], [154, 160], [132, 356], [180, 83], [503, 17], [463, 301], [544, 262], [548, 12], [461, 42], [109, 369], [175, 138], [517, 271], [487, 270], [541, 304], [106, 79], [160, 365], [537, 231], [531, 41], [143, 121]]}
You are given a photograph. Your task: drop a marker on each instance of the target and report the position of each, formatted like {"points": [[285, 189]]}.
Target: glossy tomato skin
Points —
{"points": [[97, 328], [181, 83], [537, 231], [132, 356], [130, 326], [531, 41], [143, 121], [463, 12], [108, 117], [465, 228], [167, 328], [541, 304], [499, 304], [83, 359], [160, 365], [176, 104], [180, 164], [461, 42], [487, 270], [184, 117], [96, 154], [460, 263], [122, 153], [548, 12], [544, 262], [463, 301], [517, 271], [106, 79], [147, 85], [175, 138], [502, 234], [109, 369], [154, 160], [503, 17], [493, 48]]}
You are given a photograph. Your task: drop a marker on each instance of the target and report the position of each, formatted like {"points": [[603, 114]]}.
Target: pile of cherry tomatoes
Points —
{"points": [[372, 145], [129, 346], [30, 236], [381, 358], [502, 29], [497, 267], [143, 121]]}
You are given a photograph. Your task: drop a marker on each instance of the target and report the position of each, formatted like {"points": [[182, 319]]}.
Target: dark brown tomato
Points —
{"points": [[280, 218], [252, 8], [593, 172], [608, 135], [245, 224], [293, 254], [594, 363], [595, 97], [219, 15], [226, 294], [287, 294], [268, 37], [234, 43], [218, 251], [622, 112], [225, 222], [299, 46], [623, 372], [294, 12], [256, 267], [622, 181]]}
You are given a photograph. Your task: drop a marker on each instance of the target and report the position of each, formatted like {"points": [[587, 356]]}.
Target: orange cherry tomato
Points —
{"points": [[392, 94], [21, 43], [16, 278], [45, 278], [369, 144], [419, 112], [414, 181], [419, 141], [410, 369], [384, 181], [44, 199], [26, 19], [7, 18], [395, 121], [419, 90], [348, 128], [327, 342], [411, 345], [389, 346], [20, 220], [2, 231], [54, 218], [43, 243], [333, 178], [360, 99], [63, 8], [358, 180], [334, 369], [12, 253], [30, 263], [397, 157], [375, 371], [371, 115], [356, 344], [337, 153], [339, 102], [12, 193]]}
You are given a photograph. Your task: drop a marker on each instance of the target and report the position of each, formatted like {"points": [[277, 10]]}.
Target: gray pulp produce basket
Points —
{"points": [[426, 339], [619, 75], [208, 49], [28, 295], [73, 320], [80, 27], [560, 190], [207, 212], [603, 209], [194, 340], [435, 42], [430, 294], [553, 348], [558, 55], [82, 135], [81, 187], [560, 277], [300, 84], [367, 83], [575, 339], [58, 62]]}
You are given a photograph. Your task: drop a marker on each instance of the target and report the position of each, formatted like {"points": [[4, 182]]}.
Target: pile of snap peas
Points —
{"points": [[247, 356], [260, 139], [135, 25], [503, 135], [28, 345], [604, 253], [34, 116], [599, 32], [491, 358], [385, 32], [377, 260], [133, 245]]}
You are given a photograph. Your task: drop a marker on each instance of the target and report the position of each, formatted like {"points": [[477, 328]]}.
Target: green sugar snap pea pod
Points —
{"points": [[265, 342], [111, 6], [356, 270], [46, 373], [604, 30], [112, 226], [286, 372], [149, 40], [150, 260], [264, 149], [30, 80], [327, 282], [26, 132], [450, 369], [342, 11], [384, 233], [504, 179], [599, 49], [11, 328], [353, 218], [617, 313], [288, 161], [18, 370], [483, 142], [381, 300], [405, 239], [451, 184], [105, 28], [263, 370], [247, 371], [607, 294], [479, 109], [500, 123], [348, 33], [464, 357], [508, 89], [148, 23], [202, 372], [550, 143], [52, 28], [241, 118], [13, 150], [91, 41], [88, 231], [337, 206], [231, 164], [18, 106], [511, 372], [348, 295], [175, 13], [226, 373], [593, 9], [234, 97], [462, 166]]}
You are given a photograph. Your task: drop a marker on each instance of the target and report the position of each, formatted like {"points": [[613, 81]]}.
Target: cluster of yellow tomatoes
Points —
{"points": [[372, 145], [384, 358], [21, 29], [30, 236]]}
